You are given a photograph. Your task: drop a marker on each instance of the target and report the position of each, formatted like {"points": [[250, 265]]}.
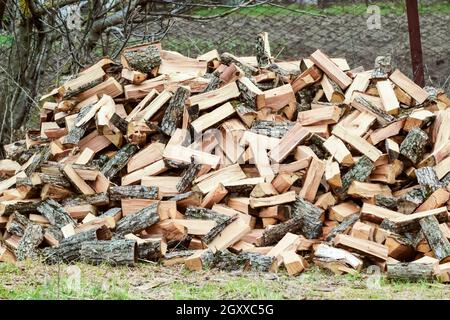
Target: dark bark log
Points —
{"points": [[246, 114], [76, 133], [17, 224], [188, 177], [151, 250], [54, 179], [214, 232], [359, 172], [248, 261], [274, 234], [114, 252], [55, 213], [428, 180], [413, 147], [205, 214], [247, 96], [408, 202], [386, 202], [113, 212], [53, 234], [311, 224], [271, 128], [20, 206], [178, 254], [410, 271], [68, 249], [343, 227], [214, 82], [228, 59], [435, 238], [32, 238], [411, 225], [70, 93], [263, 50], [38, 160], [143, 60], [119, 123], [98, 199], [174, 112], [118, 161], [129, 192], [382, 116], [141, 220]]}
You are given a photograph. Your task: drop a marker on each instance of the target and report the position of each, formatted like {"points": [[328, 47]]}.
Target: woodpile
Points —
{"points": [[236, 163]]}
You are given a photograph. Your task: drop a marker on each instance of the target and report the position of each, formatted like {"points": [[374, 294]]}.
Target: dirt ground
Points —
{"points": [[150, 281]]}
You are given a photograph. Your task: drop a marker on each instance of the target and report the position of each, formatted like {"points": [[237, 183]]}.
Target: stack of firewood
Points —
{"points": [[234, 163]]}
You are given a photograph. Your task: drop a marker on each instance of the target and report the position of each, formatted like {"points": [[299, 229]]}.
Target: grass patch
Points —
{"points": [[357, 9], [235, 288]]}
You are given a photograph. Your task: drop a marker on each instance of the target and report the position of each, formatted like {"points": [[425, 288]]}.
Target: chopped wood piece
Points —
{"points": [[343, 210], [208, 182], [437, 199], [436, 239], [418, 118], [306, 78], [174, 112], [390, 130], [142, 192], [338, 150], [214, 196], [138, 221], [324, 115], [388, 97], [279, 97], [31, 239], [413, 147], [358, 143], [367, 248], [55, 213], [418, 94], [273, 200], [77, 181], [209, 99], [310, 215], [333, 174], [263, 55], [331, 69], [411, 222], [199, 260], [296, 135], [359, 172], [312, 180], [118, 161], [410, 271], [114, 252], [228, 236], [327, 253], [367, 190]]}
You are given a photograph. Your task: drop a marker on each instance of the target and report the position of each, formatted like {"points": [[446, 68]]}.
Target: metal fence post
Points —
{"points": [[415, 41]]}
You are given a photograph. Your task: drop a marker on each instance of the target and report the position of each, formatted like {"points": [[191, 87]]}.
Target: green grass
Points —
{"points": [[235, 288], [147, 281], [357, 9]]}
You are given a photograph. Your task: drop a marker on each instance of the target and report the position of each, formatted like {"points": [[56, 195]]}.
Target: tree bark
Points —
{"points": [[141, 220], [118, 161], [435, 238], [55, 213], [410, 271], [114, 252], [32, 238], [130, 192]]}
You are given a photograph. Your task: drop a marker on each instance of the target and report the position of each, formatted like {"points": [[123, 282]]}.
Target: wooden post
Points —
{"points": [[415, 41]]}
